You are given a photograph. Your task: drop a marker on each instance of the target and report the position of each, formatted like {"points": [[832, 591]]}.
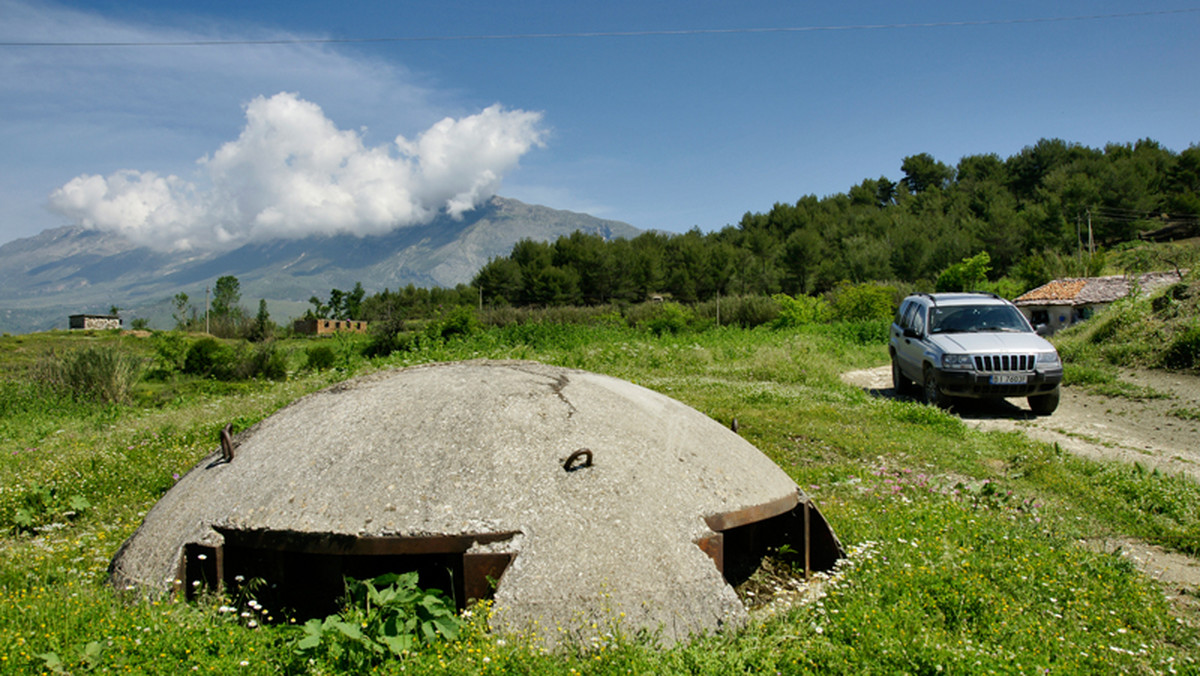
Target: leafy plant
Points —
{"points": [[40, 504], [387, 615], [87, 656]]}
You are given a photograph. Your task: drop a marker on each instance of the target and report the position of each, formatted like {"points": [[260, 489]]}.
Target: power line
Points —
{"points": [[610, 34]]}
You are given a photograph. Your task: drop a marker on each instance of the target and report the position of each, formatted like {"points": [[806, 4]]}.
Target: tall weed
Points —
{"points": [[101, 373]]}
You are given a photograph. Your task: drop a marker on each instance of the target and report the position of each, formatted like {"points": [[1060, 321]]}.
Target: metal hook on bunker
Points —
{"points": [[574, 462]]}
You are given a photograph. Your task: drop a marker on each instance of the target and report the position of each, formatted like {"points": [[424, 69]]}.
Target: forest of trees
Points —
{"points": [[1031, 213], [1054, 209]]}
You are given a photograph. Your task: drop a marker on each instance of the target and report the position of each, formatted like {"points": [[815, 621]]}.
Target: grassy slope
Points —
{"points": [[964, 553], [1156, 331]]}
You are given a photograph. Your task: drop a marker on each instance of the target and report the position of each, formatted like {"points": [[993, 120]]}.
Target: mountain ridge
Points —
{"points": [[72, 269]]}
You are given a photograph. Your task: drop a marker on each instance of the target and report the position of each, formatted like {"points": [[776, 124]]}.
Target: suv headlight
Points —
{"points": [[1049, 359], [957, 362]]}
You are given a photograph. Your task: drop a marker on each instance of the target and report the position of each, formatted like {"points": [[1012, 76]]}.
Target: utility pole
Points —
{"points": [[1079, 242], [206, 310], [1091, 242]]}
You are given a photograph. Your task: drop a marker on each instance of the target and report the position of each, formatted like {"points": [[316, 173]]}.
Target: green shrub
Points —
{"points": [[321, 357], [863, 302], [265, 361], [170, 350], [800, 310], [669, 317], [749, 311], [105, 374], [210, 358], [459, 321]]}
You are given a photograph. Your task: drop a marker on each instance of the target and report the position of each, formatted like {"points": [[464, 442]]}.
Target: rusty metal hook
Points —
{"points": [[227, 443], [584, 453]]}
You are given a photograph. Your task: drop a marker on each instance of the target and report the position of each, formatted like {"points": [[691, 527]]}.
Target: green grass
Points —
{"points": [[965, 554]]}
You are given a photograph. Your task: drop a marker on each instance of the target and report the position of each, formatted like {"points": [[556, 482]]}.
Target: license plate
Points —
{"points": [[1008, 379]]}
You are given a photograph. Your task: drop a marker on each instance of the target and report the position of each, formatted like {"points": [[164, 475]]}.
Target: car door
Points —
{"points": [[910, 351]]}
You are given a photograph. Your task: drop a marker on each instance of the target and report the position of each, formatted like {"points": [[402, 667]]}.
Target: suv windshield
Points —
{"points": [[972, 318]]}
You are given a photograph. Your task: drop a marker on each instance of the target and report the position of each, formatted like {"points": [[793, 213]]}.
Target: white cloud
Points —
{"points": [[293, 173]]}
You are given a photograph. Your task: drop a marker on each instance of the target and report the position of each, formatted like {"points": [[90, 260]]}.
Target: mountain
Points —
{"points": [[72, 269]]}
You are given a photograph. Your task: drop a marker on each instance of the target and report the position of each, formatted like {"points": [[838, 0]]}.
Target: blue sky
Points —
{"points": [[659, 129]]}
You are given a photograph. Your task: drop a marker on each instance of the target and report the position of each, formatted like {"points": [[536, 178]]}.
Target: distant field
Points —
{"points": [[965, 552]]}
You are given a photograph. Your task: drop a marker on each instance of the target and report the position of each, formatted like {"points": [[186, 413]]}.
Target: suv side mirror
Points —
{"points": [[1043, 330], [911, 333]]}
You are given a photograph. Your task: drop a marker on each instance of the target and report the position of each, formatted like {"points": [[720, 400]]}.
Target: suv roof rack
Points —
{"points": [[932, 300]]}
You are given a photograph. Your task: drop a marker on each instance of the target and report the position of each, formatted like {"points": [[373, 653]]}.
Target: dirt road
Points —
{"points": [[1161, 433], [1104, 428]]}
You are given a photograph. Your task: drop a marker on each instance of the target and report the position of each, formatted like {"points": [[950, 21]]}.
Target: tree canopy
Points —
{"points": [[1030, 214]]}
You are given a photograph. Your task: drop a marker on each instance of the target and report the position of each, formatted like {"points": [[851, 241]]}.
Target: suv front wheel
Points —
{"points": [[1044, 404]]}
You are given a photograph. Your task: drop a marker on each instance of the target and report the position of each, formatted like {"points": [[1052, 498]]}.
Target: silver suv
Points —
{"points": [[972, 345]]}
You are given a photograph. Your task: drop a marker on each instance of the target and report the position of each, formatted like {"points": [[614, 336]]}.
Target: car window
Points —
{"points": [[907, 314], [917, 322], [975, 318]]}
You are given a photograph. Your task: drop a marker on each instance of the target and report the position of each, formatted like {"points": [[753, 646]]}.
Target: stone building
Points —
{"points": [[94, 322], [321, 327], [1063, 302]]}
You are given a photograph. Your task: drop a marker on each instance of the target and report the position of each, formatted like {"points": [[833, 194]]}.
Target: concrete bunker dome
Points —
{"points": [[573, 497]]}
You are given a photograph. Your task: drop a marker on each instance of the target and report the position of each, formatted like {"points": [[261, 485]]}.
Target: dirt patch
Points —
{"points": [[1162, 433]]}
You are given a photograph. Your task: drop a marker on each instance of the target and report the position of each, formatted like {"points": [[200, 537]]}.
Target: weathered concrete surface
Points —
{"points": [[478, 447]]}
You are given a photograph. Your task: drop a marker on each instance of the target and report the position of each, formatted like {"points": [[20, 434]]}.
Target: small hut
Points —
{"points": [[93, 322], [1063, 302]]}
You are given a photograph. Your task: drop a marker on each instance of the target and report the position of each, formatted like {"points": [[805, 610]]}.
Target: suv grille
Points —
{"points": [[998, 363]]}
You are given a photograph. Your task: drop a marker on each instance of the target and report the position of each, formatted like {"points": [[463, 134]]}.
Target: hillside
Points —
{"points": [[73, 269]]}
